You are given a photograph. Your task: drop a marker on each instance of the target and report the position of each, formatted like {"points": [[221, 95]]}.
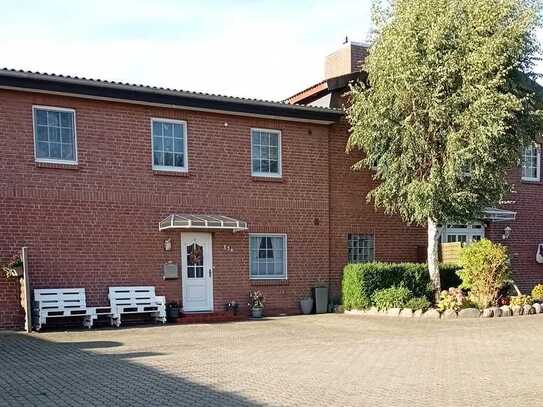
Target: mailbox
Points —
{"points": [[169, 271]]}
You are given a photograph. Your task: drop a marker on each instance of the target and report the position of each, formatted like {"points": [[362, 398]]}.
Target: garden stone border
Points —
{"points": [[466, 313]]}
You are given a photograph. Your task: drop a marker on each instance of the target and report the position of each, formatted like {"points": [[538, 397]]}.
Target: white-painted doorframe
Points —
{"points": [[197, 292]]}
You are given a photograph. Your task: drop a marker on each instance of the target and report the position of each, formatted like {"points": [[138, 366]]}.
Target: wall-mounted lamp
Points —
{"points": [[167, 245], [506, 233]]}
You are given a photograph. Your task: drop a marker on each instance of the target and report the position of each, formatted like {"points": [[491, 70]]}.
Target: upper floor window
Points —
{"points": [[360, 248], [531, 162], [54, 135], [462, 233], [268, 256], [265, 153], [169, 145]]}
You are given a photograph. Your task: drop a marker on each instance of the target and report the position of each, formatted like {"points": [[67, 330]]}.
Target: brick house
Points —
{"points": [[106, 183]]}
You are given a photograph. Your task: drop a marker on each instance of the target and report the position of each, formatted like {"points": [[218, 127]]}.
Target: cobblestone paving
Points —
{"points": [[335, 360]]}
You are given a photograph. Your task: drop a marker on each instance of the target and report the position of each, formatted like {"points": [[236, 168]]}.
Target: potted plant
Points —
{"points": [[232, 306], [172, 311], [306, 304], [14, 267], [256, 303]]}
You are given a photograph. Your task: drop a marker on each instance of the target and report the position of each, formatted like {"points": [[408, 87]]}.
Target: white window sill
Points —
{"points": [[48, 161], [169, 169], [266, 175]]}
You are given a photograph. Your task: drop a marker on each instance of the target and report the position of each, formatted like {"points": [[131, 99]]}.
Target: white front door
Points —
{"points": [[197, 271]]}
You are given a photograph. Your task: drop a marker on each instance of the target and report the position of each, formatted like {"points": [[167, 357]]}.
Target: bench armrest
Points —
{"points": [[161, 300]]}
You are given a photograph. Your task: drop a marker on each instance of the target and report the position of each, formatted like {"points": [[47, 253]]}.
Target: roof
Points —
{"points": [[141, 94], [317, 88], [191, 221], [337, 84]]}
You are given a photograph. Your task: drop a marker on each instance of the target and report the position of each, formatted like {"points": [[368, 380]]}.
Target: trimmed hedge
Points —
{"points": [[360, 281]]}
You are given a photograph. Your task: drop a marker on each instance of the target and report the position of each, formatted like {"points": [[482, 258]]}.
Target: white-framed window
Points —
{"points": [[265, 153], [169, 141], [462, 233], [268, 256], [55, 138], [531, 162], [360, 248]]}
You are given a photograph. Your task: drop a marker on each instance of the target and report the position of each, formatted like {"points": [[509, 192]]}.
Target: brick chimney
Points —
{"points": [[346, 60]]}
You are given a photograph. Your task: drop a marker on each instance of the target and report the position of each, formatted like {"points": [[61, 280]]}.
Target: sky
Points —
{"points": [[267, 49]]}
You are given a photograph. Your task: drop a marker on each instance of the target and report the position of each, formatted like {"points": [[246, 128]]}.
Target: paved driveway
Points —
{"points": [[307, 360]]}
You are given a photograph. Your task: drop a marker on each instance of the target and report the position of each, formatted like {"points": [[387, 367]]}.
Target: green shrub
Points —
{"points": [[521, 300], [360, 281], [537, 292], [485, 269], [453, 298], [418, 303], [393, 297], [352, 295]]}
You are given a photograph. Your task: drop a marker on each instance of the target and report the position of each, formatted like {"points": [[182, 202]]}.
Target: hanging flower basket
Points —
{"points": [[14, 268]]}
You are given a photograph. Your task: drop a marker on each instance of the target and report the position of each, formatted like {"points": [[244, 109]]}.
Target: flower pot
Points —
{"points": [[306, 305], [256, 312], [172, 312]]}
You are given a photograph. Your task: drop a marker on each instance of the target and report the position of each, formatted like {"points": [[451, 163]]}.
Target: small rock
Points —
{"points": [[497, 311], [537, 308], [506, 311], [449, 314], [488, 313], [406, 313], [431, 314], [517, 310], [418, 313], [528, 309], [338, 309], [393, 312], [469, 313]]}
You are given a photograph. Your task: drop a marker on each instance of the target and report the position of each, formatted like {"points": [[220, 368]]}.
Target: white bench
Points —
{"points": [[62, 303], [136, 300]]}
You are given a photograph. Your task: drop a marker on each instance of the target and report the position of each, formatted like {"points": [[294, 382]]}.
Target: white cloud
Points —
{"points": [[250, 49]]}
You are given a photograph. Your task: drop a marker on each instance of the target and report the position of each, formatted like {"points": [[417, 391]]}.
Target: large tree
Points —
{"points": [[447, 107]]}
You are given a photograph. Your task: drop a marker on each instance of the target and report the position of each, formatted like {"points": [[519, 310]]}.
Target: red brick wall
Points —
{"points": [[11, 315], [351, 213], [527, 231], [96, 226]]}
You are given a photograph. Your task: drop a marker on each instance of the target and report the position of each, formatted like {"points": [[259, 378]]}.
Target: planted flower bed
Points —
{"points": [[480, 286]]}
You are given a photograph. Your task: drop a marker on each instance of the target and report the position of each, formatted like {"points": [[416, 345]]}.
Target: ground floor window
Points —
{"points": [[268, 256], [360, 248], [462, 233]]}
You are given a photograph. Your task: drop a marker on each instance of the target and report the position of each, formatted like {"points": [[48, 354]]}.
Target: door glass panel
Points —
{"points": [[195, 261]]}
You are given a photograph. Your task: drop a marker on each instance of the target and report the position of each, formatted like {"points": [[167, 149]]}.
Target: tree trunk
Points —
{"points": [[433, 257]]}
